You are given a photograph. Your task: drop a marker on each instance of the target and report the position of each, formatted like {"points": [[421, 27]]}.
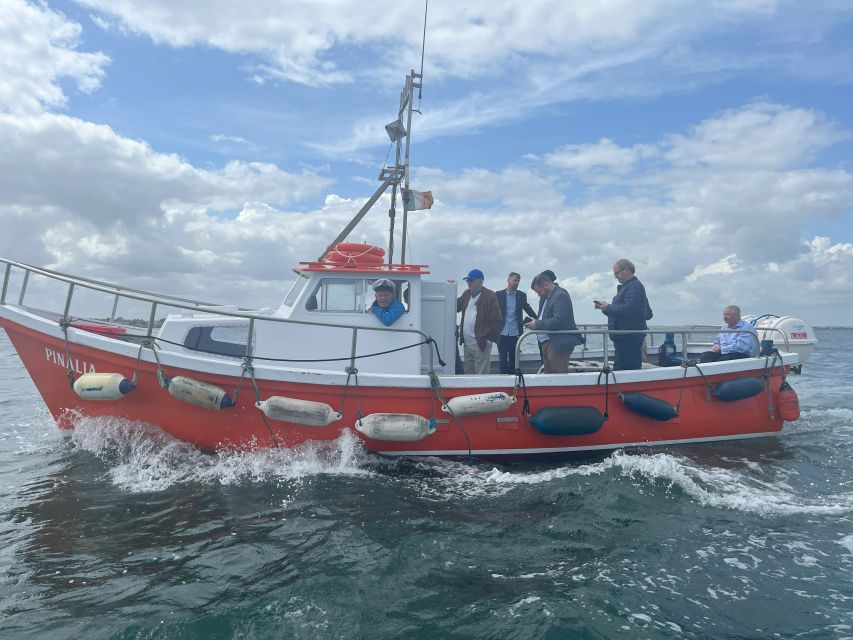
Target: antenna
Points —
{"points": [[423, 49]]}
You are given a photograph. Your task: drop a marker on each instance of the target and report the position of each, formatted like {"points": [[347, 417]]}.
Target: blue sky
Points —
{"points": [[208, 147]]}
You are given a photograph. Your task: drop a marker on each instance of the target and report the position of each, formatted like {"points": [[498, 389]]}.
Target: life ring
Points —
{"points": [[356, 253], [347, 259]]}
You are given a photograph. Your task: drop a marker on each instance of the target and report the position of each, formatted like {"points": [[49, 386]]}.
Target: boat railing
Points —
{"points": [[158, 301], [686, 334]]}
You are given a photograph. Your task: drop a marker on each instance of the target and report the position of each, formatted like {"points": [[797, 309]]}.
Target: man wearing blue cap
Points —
{"points": [[481, 323]]}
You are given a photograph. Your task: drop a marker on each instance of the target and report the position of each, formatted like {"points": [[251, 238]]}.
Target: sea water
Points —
{"points": [[115, 530]]}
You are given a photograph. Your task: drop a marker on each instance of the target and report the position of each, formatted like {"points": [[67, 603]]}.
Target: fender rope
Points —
{"points": [[435, 383], [248, 368]]}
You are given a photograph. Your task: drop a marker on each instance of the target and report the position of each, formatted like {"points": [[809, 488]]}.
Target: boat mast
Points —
{"points": [[393, 176]]}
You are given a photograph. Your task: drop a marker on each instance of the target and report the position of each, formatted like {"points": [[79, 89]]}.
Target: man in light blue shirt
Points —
{"points": [[732, 346]]}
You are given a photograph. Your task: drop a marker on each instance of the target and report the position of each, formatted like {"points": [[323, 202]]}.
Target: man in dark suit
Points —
{"points": [[512, 303], [555, 314], [629, 310]]}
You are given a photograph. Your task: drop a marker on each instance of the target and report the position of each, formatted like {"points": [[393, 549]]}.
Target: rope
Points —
{"points": [[435, 383], [248, 368], [681, 393], [519, 380], [346, 358], [352, 372], [693, 363], [768, 374], [607, 372]]}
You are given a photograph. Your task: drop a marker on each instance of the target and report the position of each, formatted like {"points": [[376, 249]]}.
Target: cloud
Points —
{"points": [[84, 195], [38, 49]]}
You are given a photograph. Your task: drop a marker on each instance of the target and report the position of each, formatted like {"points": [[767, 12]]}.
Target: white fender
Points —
{"points": [[201, 394], [102, 386], [395, 427], [315, 414], [479, 403]]}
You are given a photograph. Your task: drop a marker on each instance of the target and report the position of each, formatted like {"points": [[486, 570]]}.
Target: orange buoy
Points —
{"points": [[787, 403]]}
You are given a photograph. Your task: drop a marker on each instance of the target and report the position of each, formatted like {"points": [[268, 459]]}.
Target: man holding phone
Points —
{"points": [[629, 310]]}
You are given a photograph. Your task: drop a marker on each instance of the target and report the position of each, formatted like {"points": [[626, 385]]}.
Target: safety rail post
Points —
{"points": [[115, 306], [5, 283], [151, 320], [352, 351], [684, 335], [605, 350], [68, 301], [23, 288], [249, 338]]}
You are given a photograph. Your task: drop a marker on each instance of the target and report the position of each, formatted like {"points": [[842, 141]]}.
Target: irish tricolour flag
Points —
{"points": [[417, 199]]}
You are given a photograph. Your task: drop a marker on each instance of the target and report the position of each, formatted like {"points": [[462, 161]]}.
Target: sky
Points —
{"points": [[203, 149]]}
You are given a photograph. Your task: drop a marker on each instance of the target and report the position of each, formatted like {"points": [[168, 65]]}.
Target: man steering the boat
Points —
{"points": [[732, 346], [386, 306]]}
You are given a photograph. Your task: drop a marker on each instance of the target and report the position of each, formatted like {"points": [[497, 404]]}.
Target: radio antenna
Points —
{"points": [[423, 48]]}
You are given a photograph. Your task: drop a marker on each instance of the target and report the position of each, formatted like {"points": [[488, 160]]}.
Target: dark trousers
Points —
{"points": [[713, 356], [629, 352], [506, 353]]}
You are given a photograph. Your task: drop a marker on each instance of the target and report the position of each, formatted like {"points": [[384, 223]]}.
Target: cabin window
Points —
{"points": [[295, 290], [337, 294], [350, 295]]}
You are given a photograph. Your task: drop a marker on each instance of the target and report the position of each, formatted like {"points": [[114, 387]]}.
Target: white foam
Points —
{"points": [[740, 489], [142, 458], [847, 543], [729, 488]]}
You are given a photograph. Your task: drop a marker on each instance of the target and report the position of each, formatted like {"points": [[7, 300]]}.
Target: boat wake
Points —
{"points": [[142, 458], [746, 487]]}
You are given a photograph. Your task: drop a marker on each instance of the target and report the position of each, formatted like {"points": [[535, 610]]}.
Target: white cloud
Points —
{"points": [[38, 51], [602, 155], [82, 195]]}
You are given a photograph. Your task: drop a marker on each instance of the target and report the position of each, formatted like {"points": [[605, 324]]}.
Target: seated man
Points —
{"points": [[386, 307], [732, 346]]}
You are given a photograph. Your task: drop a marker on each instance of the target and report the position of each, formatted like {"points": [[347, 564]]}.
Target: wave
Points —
{"points": [[735, 489], [142, 458]]}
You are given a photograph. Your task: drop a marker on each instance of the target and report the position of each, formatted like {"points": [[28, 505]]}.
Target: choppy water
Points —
{"points": [[119, 532]]}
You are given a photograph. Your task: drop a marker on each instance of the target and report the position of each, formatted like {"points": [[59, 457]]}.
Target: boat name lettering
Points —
{"points": [[77, 365], [799, 335]]}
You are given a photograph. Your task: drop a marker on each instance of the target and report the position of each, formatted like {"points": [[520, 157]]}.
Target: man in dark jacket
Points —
{"points": [[629, 310], [555, 314], [512, 303], [481, 323]]}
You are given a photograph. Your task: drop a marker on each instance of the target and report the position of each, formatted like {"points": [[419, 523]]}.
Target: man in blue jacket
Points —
{"points": [[629, 310], [512, 303], [555, 314], [386, 307]]}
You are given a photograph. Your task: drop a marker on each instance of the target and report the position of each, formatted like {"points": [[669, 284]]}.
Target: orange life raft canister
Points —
{"points": [[787, 403]]}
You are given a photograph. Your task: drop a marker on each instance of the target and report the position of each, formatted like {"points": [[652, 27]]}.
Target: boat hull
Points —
{"points": [[701, 417]]}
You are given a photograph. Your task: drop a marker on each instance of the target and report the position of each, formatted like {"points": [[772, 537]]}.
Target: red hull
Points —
{"points": [[509, 432]]}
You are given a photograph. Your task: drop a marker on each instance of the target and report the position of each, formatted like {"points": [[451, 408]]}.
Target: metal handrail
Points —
{"points": [[685, 332], [191, 305]]}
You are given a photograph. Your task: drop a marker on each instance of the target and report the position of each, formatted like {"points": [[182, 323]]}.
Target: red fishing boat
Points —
{"points": [[226, 378]]}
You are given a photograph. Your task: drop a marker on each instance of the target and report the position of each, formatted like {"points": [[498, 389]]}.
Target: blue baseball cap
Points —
{"points": [[474, 274]]}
